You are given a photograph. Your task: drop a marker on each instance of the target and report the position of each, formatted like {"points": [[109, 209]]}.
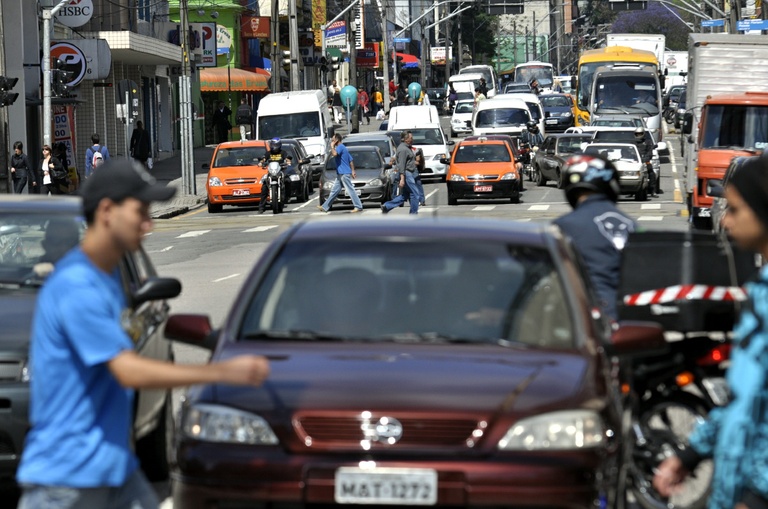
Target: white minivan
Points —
{"points": [[504, 114], [424, 122], [301, 115]]}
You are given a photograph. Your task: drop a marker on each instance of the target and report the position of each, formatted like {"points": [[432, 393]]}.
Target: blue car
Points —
{"points": [[558, 112]]}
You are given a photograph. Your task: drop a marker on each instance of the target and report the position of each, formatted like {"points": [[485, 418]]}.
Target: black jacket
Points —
{"points": [[140, 144], [21, 164]]}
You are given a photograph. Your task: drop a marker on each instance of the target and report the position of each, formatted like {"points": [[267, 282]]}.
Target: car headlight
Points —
{"points": [[630, 173], [566, 114], [457, 178], [214, 423], [214, 182], [438, 157], [318, 159], [328, 185], [509, 176], [294, 177], [375, 183], [569, 429]]}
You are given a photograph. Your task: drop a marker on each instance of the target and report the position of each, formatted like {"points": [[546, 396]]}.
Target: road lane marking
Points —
{"points": [[538, 207], [650, 218], [483, 208], [166, 249], [260, 228], [677, 196], [194, 233], [225, 278], [650, 206], [308, 202]]}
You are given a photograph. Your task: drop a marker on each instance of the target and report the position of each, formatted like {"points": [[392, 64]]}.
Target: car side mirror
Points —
{"points": [[195, 330], [715, 190], [206, 166], [451, 143], [156, 288], [638, 339], [687, 123], [306, 160]]}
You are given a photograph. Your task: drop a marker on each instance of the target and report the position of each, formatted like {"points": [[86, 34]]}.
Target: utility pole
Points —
{"points": [[188, 184], [293, 34], [353, 67], [385, 55], [47, 115], [447, 48], [534, 35], [275, 41], [424, 56], [460, 50]]}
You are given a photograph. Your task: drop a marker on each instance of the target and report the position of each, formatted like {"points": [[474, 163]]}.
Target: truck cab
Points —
{"points": [[729, 126]]}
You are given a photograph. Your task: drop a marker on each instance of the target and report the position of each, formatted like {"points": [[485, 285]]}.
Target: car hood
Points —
{"points": [[430, 151], [16, 310], [347, 376], [557, 109], [461, 116], [314, 146]]}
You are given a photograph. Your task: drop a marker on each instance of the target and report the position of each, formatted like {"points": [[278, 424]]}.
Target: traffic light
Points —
{"points": [[6, 85], [59, 80], [323, 64], [334, 63], [286, 60]]}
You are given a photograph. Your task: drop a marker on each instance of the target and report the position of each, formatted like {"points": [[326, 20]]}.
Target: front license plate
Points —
{"points": [[388, 486], [483, 189], [551, 121], [357, 192], [241, 192]]}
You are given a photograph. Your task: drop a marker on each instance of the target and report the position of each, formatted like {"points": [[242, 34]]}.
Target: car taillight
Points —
{"points": [[715, 356]]}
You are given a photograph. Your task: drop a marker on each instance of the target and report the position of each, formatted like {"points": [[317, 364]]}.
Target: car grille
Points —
{"points": [[10, 370], [478, 178], [240, 198], [241, 181], [324, 431]]}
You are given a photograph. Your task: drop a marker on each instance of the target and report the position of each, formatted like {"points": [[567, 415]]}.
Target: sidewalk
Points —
{"points": [[168, 171]]}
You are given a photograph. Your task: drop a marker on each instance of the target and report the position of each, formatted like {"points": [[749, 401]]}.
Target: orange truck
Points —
{"points": [[727, 112]]}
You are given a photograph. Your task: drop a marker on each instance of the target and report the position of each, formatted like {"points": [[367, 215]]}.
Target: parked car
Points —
{"points": [[549, 161], [234, 174], [443, 361], [482, 169], [558, 111], [35, 232], [301, 180], [633, 175], [371, 181], [461, 120]]}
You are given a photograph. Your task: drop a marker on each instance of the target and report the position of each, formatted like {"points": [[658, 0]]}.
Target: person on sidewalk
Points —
{"points": [[141, 147], [244, 118], [21, 171], [363, 103], [405, 163], [221, 123], [92, 160], [345, 172], [78, 453]]}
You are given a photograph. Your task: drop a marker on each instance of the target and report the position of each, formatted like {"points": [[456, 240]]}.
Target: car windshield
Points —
{"points": [[623, 93], [239, 156], [366, 160], [289, 125], [431, 136], [555, 101], [733, 125], [482, 154], [624, 122], [614, 153], [502, 117], [411, 291], [382, 145], [31, 242], [571, 145], [464, 108]]}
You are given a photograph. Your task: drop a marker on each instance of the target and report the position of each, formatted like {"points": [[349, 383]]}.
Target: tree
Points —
{"points": [[477, 32], [656, 19]]}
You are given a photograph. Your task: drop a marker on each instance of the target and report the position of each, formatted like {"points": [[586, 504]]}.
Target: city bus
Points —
{"points": [[590, 60], [542, 71]]}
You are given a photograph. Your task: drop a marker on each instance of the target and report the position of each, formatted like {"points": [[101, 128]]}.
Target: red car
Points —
{"points": [[430, 362]]}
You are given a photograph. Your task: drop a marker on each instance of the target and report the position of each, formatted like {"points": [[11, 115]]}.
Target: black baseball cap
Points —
{"points": [[118, 179]]}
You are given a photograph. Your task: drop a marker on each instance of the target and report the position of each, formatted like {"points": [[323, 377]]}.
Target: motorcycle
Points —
{"points": [[662, 410], [275, 179], [526, 157], [669, 112]]}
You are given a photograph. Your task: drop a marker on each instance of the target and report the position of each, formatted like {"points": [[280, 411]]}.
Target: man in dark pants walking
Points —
{"points": [[405, 162], [221, 123]]}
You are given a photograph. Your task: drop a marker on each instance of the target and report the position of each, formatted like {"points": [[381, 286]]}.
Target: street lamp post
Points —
{"points": [[188, 184], [47, 115]]}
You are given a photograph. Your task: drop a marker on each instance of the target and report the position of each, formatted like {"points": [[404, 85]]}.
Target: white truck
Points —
{"points": [[648, 42], [675, 68], [727, 112]]}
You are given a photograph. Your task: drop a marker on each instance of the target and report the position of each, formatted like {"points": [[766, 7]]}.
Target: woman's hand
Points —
{"points": [[669, 476]]}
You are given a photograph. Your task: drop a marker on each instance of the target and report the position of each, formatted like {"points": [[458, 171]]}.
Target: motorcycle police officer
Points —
{"points": [[598, 229], [275, 154], [645, 148], [532, 135]]}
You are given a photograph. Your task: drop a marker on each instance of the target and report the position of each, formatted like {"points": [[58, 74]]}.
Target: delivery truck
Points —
{"points": [[727, 112], [647, 42]]}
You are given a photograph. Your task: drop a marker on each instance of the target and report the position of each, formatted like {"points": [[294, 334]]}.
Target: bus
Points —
{"points": [[488, 72], [590, 60], [542, 71]]}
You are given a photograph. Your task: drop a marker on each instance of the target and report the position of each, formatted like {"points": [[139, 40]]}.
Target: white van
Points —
{"points": [[488, 72], [302, 115], [534, 106], [504, 114], [467, 82], [424, 122]]}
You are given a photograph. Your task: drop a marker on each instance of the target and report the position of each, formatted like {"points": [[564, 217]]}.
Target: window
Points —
{"points": [[501, 117], [735, 126], [482, 154]]}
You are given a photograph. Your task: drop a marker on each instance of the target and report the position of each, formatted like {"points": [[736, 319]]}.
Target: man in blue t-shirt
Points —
{"points": [[345, 172], [84, 369]]}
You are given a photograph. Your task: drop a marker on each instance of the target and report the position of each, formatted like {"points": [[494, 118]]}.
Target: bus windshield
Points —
{"points": [[627, 94], [524, 73], [735, 126]]}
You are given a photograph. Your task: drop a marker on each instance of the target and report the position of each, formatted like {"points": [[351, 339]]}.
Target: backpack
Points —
{"points": [[98, 158]]}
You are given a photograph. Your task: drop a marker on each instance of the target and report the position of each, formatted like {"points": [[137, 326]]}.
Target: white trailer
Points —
{"points": [[675, 68], [648, 42]]}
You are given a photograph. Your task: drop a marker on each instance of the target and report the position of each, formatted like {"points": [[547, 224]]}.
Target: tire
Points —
{"points": [[155, 450], [669, 116], [214, 209], [541, 180], [666, 423], [560, 180], [273, 193], [304, 194]]}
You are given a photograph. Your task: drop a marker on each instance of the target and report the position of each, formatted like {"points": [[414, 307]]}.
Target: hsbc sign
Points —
{"points": [[75, 13]]}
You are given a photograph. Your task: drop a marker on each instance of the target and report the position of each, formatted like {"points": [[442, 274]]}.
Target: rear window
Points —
{"points": [[382, 145], [498, 117], [555, 101], [237, 156], [405, 291]]}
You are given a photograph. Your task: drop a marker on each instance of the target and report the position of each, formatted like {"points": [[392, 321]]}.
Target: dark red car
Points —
{"points": [[430, 362]]}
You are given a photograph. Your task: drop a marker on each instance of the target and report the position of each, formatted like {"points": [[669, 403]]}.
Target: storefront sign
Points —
{"points": [[75, 13], [254, 27]]}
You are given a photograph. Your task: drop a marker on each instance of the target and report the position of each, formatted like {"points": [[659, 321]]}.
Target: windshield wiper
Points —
{"points": [[295, 335], [438, 337]]}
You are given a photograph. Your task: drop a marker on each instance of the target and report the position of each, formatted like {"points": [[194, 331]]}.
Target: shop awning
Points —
{"points": [[408, 60], [215, 80]]}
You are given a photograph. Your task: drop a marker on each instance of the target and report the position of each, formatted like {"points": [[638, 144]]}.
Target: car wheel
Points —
{"points": [[214, 209], [560, 179], [540, 178], [155, 450]]}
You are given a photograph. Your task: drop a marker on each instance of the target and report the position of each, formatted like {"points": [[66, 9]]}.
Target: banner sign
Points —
{"points": [[254, 27], [63, 127], [318, 19], [368, 56]]}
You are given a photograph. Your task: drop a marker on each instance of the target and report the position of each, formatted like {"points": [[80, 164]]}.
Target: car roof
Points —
{"points": [[243, 144], [608, 144], [482, 140], [424, 229], [570, 135], [41, 204], [367, 136]]}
